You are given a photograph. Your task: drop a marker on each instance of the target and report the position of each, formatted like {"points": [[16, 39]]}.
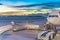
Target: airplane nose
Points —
{"points": [[52, 20]]}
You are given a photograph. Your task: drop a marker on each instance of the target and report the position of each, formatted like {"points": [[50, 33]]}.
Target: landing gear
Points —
{"points": [[51, 27], [49, 37]]}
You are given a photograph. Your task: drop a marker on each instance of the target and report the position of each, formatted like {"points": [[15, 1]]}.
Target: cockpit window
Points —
{"points": [[53, 16]]}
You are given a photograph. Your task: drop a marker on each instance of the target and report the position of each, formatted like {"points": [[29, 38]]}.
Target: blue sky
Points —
{"points": [[25, 2]]}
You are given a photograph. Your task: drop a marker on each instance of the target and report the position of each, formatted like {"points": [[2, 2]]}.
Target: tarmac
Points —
{"points": [[57, 38], [22, 35]]}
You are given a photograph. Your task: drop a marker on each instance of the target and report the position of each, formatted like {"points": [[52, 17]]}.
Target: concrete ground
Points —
{"points": [[22, 35], [57, 38]]}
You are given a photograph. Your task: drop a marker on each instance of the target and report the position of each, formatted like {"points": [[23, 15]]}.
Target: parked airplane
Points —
{"points": [[54, 17], [53, 20]]}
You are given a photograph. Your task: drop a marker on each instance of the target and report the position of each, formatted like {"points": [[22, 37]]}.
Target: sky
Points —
{"points": [[25, 2]]}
